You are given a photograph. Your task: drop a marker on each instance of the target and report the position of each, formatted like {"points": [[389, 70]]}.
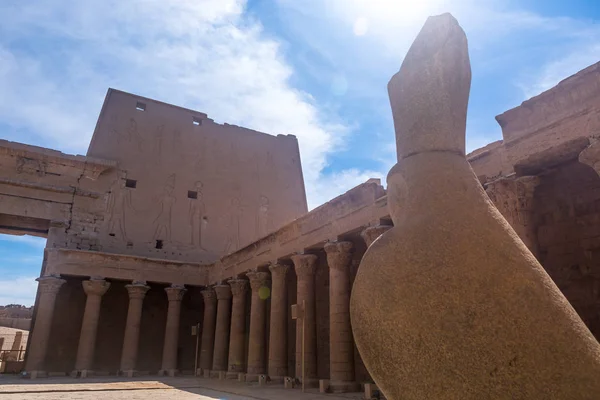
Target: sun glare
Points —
{"points": [[380, 13]]}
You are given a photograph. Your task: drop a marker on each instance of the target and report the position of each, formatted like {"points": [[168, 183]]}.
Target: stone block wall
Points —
{"points": [[567, 206]]}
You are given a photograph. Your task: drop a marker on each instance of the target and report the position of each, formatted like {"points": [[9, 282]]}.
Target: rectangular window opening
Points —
{"points": [[130, 183], [159, 244], [196, 121], [140, 106], [192, 194]]}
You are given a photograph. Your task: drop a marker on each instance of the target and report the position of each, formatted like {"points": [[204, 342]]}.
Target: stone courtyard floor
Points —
{"points": [[152, 388]]}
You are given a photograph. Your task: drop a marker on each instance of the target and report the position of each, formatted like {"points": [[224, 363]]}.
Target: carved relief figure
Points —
{"points": [[165, 202], [232, 226], [119, 200], [262, 217], [198, 219]]}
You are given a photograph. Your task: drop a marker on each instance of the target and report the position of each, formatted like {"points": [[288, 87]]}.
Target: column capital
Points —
{"points": [[50, 283], [238, 286], [175, 292], [95, 286], [259, 280], [278, 269], [305, 265], [209, 295], [137, 290], [339, 254], [371, 233], [223, 292]]}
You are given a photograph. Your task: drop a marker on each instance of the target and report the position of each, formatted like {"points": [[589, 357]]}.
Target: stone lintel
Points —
{"points": [[124, 267]]}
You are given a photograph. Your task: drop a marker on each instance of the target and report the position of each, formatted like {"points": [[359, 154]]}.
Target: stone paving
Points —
{"points": [[152, 388]]}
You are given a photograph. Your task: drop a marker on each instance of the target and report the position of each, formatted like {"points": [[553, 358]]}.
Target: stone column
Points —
{"points": [[513, 197], [36, 354], [305, 266], [208, 329], [371, 233], [277, 366], [260, 284], [94, 289], [222, 328], [137, 292], [237, 336], [169, 359], [341, 344]]}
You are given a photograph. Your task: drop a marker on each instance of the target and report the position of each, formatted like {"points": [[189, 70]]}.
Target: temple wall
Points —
{"points": [[191, 189], [567, 204]]}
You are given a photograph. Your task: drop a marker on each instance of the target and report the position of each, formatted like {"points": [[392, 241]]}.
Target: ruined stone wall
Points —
{"points": [[567, 208], [192, 189]]}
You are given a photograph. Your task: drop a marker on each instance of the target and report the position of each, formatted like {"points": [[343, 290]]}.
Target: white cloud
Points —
{"points": [[205, 55], [20, 290], [579, 57]]}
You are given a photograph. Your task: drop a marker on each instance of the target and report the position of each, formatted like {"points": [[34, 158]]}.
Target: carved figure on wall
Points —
{"points": [[165, 203], [232, 226], [119, 200], [197, 215], [262, 218]]}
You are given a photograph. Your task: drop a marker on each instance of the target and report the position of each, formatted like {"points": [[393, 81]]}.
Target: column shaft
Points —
{"points": [[169, 359], [94, 289], [137, 292], [237, 337], [305, 266], [341, 344], [208, 329], [222, 328], [48, 289], [277, 366], [259, 282]]}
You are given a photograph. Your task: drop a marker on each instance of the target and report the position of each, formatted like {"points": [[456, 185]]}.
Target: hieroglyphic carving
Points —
{"points": [[232, 226], [262, 218], [31, 166], [197, 215], [119, 200], [165, 205]]}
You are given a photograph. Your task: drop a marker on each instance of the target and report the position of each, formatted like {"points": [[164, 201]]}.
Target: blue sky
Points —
{"points": [[316, 69]]}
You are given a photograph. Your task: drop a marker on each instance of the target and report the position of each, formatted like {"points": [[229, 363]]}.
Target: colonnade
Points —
{"points": [[226, 349]]}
